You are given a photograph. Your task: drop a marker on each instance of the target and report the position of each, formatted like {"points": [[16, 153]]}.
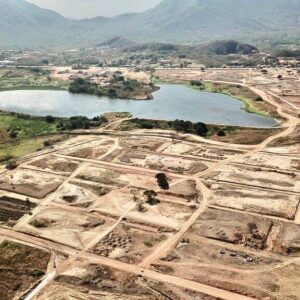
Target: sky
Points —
{"points": [[78, 9]]}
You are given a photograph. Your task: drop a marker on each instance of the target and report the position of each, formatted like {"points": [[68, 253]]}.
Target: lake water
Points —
{"points": [[170, 102]]}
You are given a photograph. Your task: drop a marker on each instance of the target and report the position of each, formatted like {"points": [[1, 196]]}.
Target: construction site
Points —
{"points": [[156, 214]]}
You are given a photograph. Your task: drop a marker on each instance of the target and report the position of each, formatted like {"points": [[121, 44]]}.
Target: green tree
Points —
{"points": [[201, 129], [162, 181]]}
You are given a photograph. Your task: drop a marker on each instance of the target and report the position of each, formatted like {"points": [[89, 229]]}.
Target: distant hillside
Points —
{"points": [[173, 21], [24, 25], [199, 20], [230, 47], [223, 47], [118, 42], [158, 47]]}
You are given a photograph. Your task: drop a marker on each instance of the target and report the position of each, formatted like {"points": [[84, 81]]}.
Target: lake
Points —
{"points": [[170, 102]]}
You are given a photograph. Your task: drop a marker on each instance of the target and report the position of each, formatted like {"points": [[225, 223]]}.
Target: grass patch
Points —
{"points": [[26, 127], [21, 135], [156, 80], [20, 148], [37, 88]]}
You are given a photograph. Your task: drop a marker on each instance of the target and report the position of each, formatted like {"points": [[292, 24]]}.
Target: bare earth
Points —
{"points": [[227, 228]]}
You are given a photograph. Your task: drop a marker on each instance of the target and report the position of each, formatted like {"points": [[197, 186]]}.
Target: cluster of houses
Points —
{"points": [[102, 78]]}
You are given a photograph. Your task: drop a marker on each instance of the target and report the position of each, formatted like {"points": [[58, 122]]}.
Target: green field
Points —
{"points": [[26, 128], [23, 134], [20, 136], [29, 78], [20, 148]]}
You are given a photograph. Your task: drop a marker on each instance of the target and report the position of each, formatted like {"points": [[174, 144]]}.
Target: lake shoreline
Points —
{"points": [[169, 103]]}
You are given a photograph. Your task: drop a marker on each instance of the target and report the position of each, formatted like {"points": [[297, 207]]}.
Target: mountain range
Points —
{"points": [[25, 25]]}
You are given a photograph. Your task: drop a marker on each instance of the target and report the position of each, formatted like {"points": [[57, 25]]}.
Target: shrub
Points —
{"points": [[221, 133], [13, 134], [151, 197], [39, 223], [11, 165], [196, 82], [50, 119], [47, 143]]}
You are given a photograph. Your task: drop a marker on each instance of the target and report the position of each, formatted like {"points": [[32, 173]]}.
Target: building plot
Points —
{"points": [[110, 284], [130, 243], [257, 177], [155, 212], [223, 249], [81, 194], [12, 209], [151, 144], [164, 163], [233, 227], [266, 160], [54, 164], [31, 183], [92, 149], [246, 274], [201, 151], [251, 199], [285, 239], [68, 227]]}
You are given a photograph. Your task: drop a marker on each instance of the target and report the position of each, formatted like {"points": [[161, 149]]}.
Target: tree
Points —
{"points": [[162, 181], [49, 119], [151, 197], [112, 93], [201, 129], [184, 126]]}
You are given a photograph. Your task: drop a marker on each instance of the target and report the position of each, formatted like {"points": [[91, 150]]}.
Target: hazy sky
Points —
{"points": [[92, 8]]}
